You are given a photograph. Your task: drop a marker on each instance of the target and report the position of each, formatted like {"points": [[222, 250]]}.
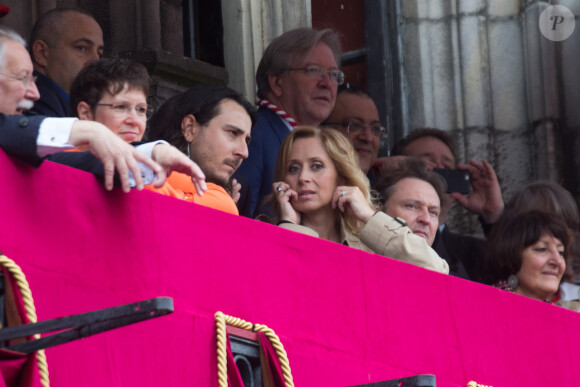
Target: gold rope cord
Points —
{"points": [[475, 384], [24, 288], [221, 321]]}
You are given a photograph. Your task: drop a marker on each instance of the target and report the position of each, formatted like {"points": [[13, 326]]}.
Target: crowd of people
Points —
{"points": [[305, 160]]}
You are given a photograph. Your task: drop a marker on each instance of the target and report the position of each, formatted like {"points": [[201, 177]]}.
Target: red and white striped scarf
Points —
{"points": [[281, 113]]}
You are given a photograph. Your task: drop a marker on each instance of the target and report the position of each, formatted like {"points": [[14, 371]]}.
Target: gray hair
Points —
{"points": [[6, 34], [291, 46]]}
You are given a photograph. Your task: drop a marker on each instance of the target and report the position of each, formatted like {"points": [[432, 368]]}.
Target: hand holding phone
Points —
{"points": [[457, 179], [147, 175]]}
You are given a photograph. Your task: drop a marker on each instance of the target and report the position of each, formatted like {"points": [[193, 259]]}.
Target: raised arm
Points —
{"points": [[485, 198]]}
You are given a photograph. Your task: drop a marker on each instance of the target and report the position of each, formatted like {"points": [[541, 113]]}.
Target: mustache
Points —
{"points": [[25, 104], [234, 161]]}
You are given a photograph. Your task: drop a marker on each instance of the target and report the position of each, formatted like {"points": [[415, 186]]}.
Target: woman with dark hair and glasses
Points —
{"points": [[113, 92]]}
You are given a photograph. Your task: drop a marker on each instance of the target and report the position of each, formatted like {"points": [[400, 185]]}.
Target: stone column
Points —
{"points": [[568, 60], [249, 26]]}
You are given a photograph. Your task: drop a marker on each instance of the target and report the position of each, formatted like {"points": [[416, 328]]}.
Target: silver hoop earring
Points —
{"points": [[513, 281]]}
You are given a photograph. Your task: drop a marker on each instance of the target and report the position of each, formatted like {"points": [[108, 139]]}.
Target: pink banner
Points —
{"points": [[344, 316]]}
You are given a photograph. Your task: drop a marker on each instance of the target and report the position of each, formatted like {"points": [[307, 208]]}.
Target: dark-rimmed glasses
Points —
{"points": [[319, 74], [354, 127], [123, 109]]}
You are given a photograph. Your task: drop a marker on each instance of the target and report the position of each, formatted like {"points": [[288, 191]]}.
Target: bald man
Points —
{"points": [[63, 41]]}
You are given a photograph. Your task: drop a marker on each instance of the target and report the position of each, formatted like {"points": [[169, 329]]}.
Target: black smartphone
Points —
{"points": [[457, 179]]}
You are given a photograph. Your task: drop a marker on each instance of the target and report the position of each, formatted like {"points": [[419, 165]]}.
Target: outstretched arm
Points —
{"points": [[114, 153]]}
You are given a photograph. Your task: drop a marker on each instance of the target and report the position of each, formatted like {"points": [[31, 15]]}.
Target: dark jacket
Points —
{"points": [[258, 169], [463, 253], [53, 102]]}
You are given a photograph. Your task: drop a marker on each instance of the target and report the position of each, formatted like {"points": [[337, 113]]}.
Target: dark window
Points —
{"points": [[203, 31]]}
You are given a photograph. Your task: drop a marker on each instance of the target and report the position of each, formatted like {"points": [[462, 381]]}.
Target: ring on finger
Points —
{"points": [[342, 192], [278, 189]]}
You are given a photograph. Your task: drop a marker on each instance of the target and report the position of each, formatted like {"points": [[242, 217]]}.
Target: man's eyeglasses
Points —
{"points": [[354, 127], [122, 109], [318, 73], [25, 79]]}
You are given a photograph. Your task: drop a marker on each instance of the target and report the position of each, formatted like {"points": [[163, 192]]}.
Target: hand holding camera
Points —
{"points": [[485, 198]]}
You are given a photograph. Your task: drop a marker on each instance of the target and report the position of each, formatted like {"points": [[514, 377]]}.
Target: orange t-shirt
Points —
{"points": [[180, 186]]}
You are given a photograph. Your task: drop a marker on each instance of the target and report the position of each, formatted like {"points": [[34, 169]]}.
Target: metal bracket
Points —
{"points": [[84, 324]]}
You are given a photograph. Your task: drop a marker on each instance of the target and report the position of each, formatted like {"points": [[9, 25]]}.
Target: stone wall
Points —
{"points": [[482, 70]]}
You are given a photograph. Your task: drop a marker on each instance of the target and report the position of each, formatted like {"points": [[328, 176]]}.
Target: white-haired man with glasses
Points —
{"points": [[297, 79], [357, 117], [17, 84]]}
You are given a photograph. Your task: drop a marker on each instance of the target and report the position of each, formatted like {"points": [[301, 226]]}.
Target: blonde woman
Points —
{"points": [[321, 191]]}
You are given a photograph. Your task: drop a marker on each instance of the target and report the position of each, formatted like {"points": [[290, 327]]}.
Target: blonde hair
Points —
{"points": [[345, 159]]}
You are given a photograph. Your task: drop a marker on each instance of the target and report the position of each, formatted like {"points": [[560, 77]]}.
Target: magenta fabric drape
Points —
{"points": [[271, 370], [270, 364], [345, 317], [17, 369], [234, 377]]}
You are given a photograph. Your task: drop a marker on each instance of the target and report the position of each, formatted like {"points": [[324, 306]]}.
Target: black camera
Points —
{"points": [[457, 179]]}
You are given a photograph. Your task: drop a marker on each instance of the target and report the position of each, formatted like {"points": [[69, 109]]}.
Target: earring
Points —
{"points": [[188, 150], [513, 281]]}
